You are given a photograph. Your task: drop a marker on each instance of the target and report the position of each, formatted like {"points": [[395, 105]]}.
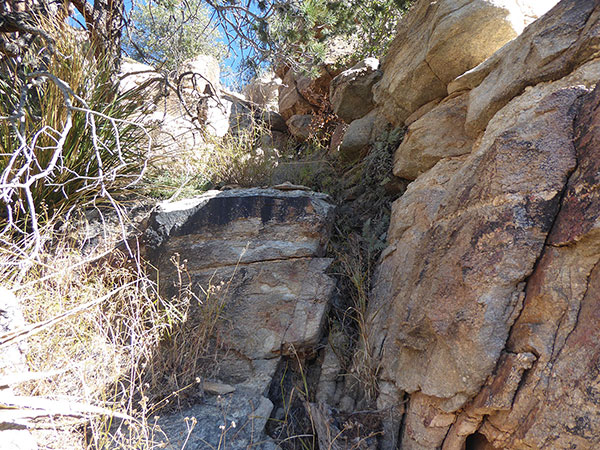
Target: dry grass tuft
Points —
{"points": [[191, 350], [245, 158], [107, 340], [357, 265], [239, 160]]}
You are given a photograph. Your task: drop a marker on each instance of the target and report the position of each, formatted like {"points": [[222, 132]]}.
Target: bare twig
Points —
{"points": [[15, 179], [22, 333]]}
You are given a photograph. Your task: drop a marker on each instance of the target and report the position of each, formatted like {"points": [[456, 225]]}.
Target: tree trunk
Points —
{"points": [[104, 21], [107, 18]]}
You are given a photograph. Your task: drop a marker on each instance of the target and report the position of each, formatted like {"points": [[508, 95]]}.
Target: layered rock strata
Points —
{"points": [[261, 252]]}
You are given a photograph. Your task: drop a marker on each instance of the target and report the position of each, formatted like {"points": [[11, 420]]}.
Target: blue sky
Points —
{"points": [[234, 59]]}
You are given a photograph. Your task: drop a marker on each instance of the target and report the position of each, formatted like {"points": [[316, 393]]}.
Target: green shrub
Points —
{"points": [[67, 136], [302, 32]]}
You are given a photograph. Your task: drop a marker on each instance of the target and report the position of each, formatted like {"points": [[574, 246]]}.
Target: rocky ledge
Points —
{"points": [[261, 251]]}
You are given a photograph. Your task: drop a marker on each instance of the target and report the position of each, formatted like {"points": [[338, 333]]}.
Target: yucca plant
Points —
{"points": [[67, 135]]}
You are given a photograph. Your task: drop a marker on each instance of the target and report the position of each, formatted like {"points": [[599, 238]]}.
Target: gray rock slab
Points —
{"points": [[233, 421]]}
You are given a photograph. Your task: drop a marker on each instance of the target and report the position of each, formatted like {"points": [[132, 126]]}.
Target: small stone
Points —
{"points": [[217, 388], [287, 186]]}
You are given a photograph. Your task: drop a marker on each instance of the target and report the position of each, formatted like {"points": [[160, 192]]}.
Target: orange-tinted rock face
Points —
{"points": [[547, 50], [581, 205], [558, 403], [438, 134], [299, 94], [455, 277], [439, 40], [486, 303]]}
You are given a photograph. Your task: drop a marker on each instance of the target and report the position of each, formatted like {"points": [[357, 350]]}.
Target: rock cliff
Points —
{"points": [[489, 282]]}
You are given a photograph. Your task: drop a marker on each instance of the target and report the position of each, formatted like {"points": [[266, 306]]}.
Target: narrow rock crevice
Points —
{"points": [[402, 425], [255, 263], [577, 104], [433, 72], [556, 355]]}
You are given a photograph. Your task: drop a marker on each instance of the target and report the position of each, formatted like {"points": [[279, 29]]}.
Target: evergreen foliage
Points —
{"points": [[303, 30], [168, 32]]}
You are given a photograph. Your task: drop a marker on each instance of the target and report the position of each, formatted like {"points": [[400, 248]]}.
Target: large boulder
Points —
{"points": [[358, 135], [551, 48], [351, 93], [555, 404], [269, 245], [292, 100], [236, 419], [264, 92], [261, 251], [438, 41], [134, 73], [463, 238], [560, 317], [208, 71], [473, 231], [303, 94], [204, 107], [178, 125], [437, 134], [301, 126]]}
